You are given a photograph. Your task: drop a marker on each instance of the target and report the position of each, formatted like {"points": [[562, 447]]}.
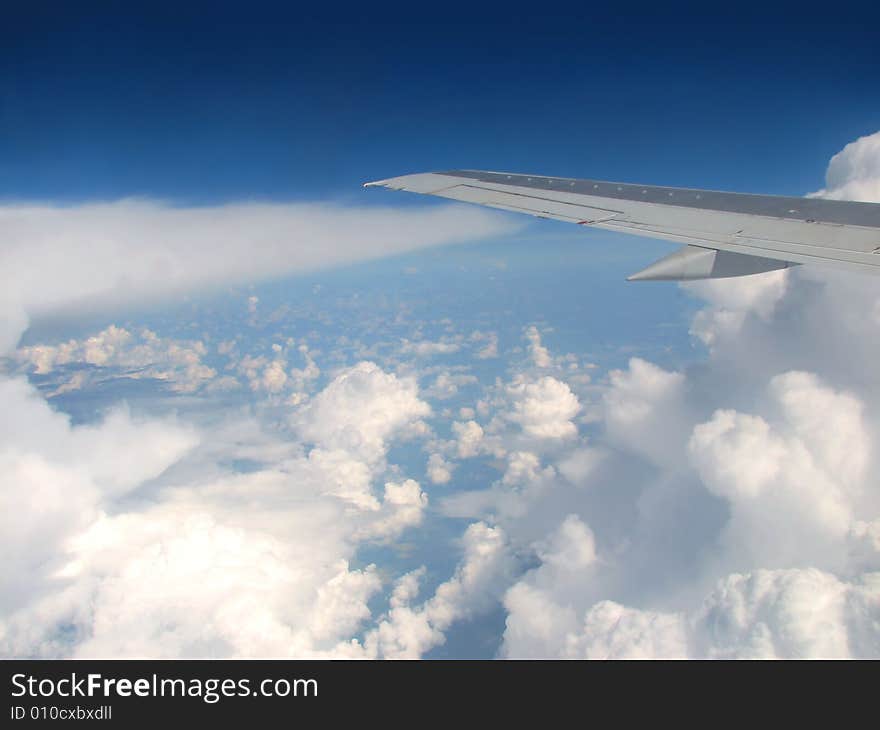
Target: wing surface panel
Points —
{"points": [[792, 230]]}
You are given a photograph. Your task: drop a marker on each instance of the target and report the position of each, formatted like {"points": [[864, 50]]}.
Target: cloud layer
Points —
{"points": [[131, 251], [726, 509]]}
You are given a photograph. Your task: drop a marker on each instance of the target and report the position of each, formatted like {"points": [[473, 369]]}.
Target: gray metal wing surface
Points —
{"points": [[725, 234]]}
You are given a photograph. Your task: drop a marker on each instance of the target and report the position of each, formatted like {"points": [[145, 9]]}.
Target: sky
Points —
{"points": [[99, 102], [253, 409]]}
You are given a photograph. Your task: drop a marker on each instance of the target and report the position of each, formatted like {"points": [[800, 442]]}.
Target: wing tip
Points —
{"points": [[419, 182]]}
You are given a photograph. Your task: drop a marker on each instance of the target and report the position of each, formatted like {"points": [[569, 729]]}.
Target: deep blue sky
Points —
{"points": [[203, 102]]}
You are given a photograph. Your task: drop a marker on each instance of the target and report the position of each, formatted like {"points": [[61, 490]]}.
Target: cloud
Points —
{"points": [[524, 467], [302, 378], [779, 506], [206, 561], [645, 411], [538, 625], [806, 471], [756, 296], [428, 348], [726, 508], [130, 252], [274, 377], [360, 410], [766, 614], [761, 614], [540, 354], [172, 583], [118, 351], [469, 437], [409, 631], [747, 524], [543, 408], [490, 349], [404, 507], [57, 478], [439, 470], [854, 172], [446, 385]]}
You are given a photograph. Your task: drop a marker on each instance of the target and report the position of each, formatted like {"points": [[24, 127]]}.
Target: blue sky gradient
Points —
{"points": [[203, 102]]}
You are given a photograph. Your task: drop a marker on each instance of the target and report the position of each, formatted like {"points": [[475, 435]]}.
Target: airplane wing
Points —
{"points": [[725, 234]]}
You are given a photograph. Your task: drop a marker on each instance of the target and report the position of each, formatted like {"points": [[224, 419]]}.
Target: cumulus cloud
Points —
{"points": [[302, 378], [175, 584], [404, 507], [807, 472], [118, 351], [57, 478], [409, 631], [783, 569], [732, 306], [524, 467], [540, 354], [271, 373], [439, 470], [644, 408], [854, 172], [538, 624], [765, 614], [207, 561], [360, 410], [763, 453], [543, 408], [446, 385], [469, 438]]}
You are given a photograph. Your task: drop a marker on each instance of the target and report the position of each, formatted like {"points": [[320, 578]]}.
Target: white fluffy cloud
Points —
{"points": [[644, 409], [207, 561], [750, 519], [55, 478], [543, 408], [169, 583], [807, 471], [360, 410], [469, 438], [132, 355], [786, 566], [439, 470], [540, 354], [409, 631], [766, 614], [854, 172]]}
